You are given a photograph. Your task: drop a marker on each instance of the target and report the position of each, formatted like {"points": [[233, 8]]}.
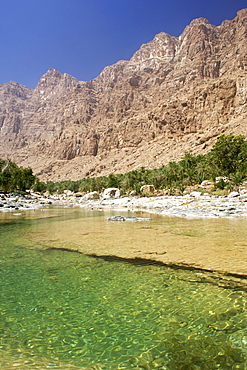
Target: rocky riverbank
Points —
{"points": [[16, 201], [181, 206], [193, 205]]}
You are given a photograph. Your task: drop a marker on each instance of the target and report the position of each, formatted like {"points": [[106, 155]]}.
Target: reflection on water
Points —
{"points": [[60, 309]]}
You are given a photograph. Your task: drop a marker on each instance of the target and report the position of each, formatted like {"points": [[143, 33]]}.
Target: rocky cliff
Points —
{"points": [[176, 94]]}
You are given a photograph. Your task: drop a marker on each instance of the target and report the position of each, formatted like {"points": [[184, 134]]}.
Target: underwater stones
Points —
{"points": [[221, 325], [239, 339], [145, 361], [116, 218], [159, 363], [122, 218], [195, 353]]}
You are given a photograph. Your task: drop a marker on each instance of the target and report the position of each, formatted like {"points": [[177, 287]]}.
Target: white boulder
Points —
{"points": [[91, 196], [111, 193], [233, 194], [195, 194], [147, 189]]}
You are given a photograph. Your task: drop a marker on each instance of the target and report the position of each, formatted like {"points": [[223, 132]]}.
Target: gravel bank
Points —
{"points": [[14, 202], [179, 206], [192, 205]]}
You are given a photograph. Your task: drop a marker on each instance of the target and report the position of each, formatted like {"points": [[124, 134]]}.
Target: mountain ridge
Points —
{"points": [[174, 95]]}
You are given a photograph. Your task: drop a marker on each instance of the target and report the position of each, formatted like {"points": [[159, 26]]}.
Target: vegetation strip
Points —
{"points": [[225, 165]]}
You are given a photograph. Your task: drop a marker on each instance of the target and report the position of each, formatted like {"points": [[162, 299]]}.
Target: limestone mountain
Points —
{"points": [[176, 94]]}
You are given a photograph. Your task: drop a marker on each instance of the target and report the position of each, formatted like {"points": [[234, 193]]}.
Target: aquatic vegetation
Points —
{"points": [[69, 308]]}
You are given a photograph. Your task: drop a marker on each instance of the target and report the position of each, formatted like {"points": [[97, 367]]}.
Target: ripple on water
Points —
{"points": [[63, 310]]}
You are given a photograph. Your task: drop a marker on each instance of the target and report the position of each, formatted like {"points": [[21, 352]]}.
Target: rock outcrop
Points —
{"points": [[175, 94]]}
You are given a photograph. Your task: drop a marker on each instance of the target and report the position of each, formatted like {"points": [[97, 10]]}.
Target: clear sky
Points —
{"points": [[81, 37]]}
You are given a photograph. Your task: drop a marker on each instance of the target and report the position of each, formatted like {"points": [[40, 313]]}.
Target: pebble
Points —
{"points": [[20, 202], [179, 206], [189, 205]]}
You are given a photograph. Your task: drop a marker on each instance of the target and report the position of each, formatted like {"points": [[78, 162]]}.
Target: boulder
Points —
{"points": [[133, 218], [91, 196], [220, 178], [79, 194], [233, 194], [242, 190], [195, 194], [68, 193], [206, 184], [133, 193], [111, 193], [147, 189]]}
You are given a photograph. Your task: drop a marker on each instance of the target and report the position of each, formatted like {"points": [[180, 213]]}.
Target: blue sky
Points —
{"points": [[81, 37]]}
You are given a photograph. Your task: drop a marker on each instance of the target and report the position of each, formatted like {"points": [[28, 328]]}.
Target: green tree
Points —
{"points": [[26, 179], [113, 181], [229, 154], [14, 178]]}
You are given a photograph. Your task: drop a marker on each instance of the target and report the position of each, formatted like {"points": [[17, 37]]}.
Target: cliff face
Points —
{"points": [[174, 95]]}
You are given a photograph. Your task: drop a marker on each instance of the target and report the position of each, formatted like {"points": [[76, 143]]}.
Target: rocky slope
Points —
{"points": [[174, 95]]}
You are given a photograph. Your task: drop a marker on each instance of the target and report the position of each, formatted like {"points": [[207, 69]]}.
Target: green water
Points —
{"points": [[60, 309]]}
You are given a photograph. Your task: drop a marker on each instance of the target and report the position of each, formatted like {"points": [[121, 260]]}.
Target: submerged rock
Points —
{"points": [[122, 218]]}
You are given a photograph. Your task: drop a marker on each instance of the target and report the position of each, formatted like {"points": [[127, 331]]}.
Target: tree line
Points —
{"points": [[227, 159], [14, 178]]}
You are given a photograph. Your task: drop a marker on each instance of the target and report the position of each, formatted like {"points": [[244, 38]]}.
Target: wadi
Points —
{"points": [[123, 210]]}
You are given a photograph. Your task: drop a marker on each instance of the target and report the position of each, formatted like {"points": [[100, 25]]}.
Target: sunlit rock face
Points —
{"points": [[175, 95]]}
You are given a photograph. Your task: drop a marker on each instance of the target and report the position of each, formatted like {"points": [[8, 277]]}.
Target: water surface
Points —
{"points": [[60, 308]]}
